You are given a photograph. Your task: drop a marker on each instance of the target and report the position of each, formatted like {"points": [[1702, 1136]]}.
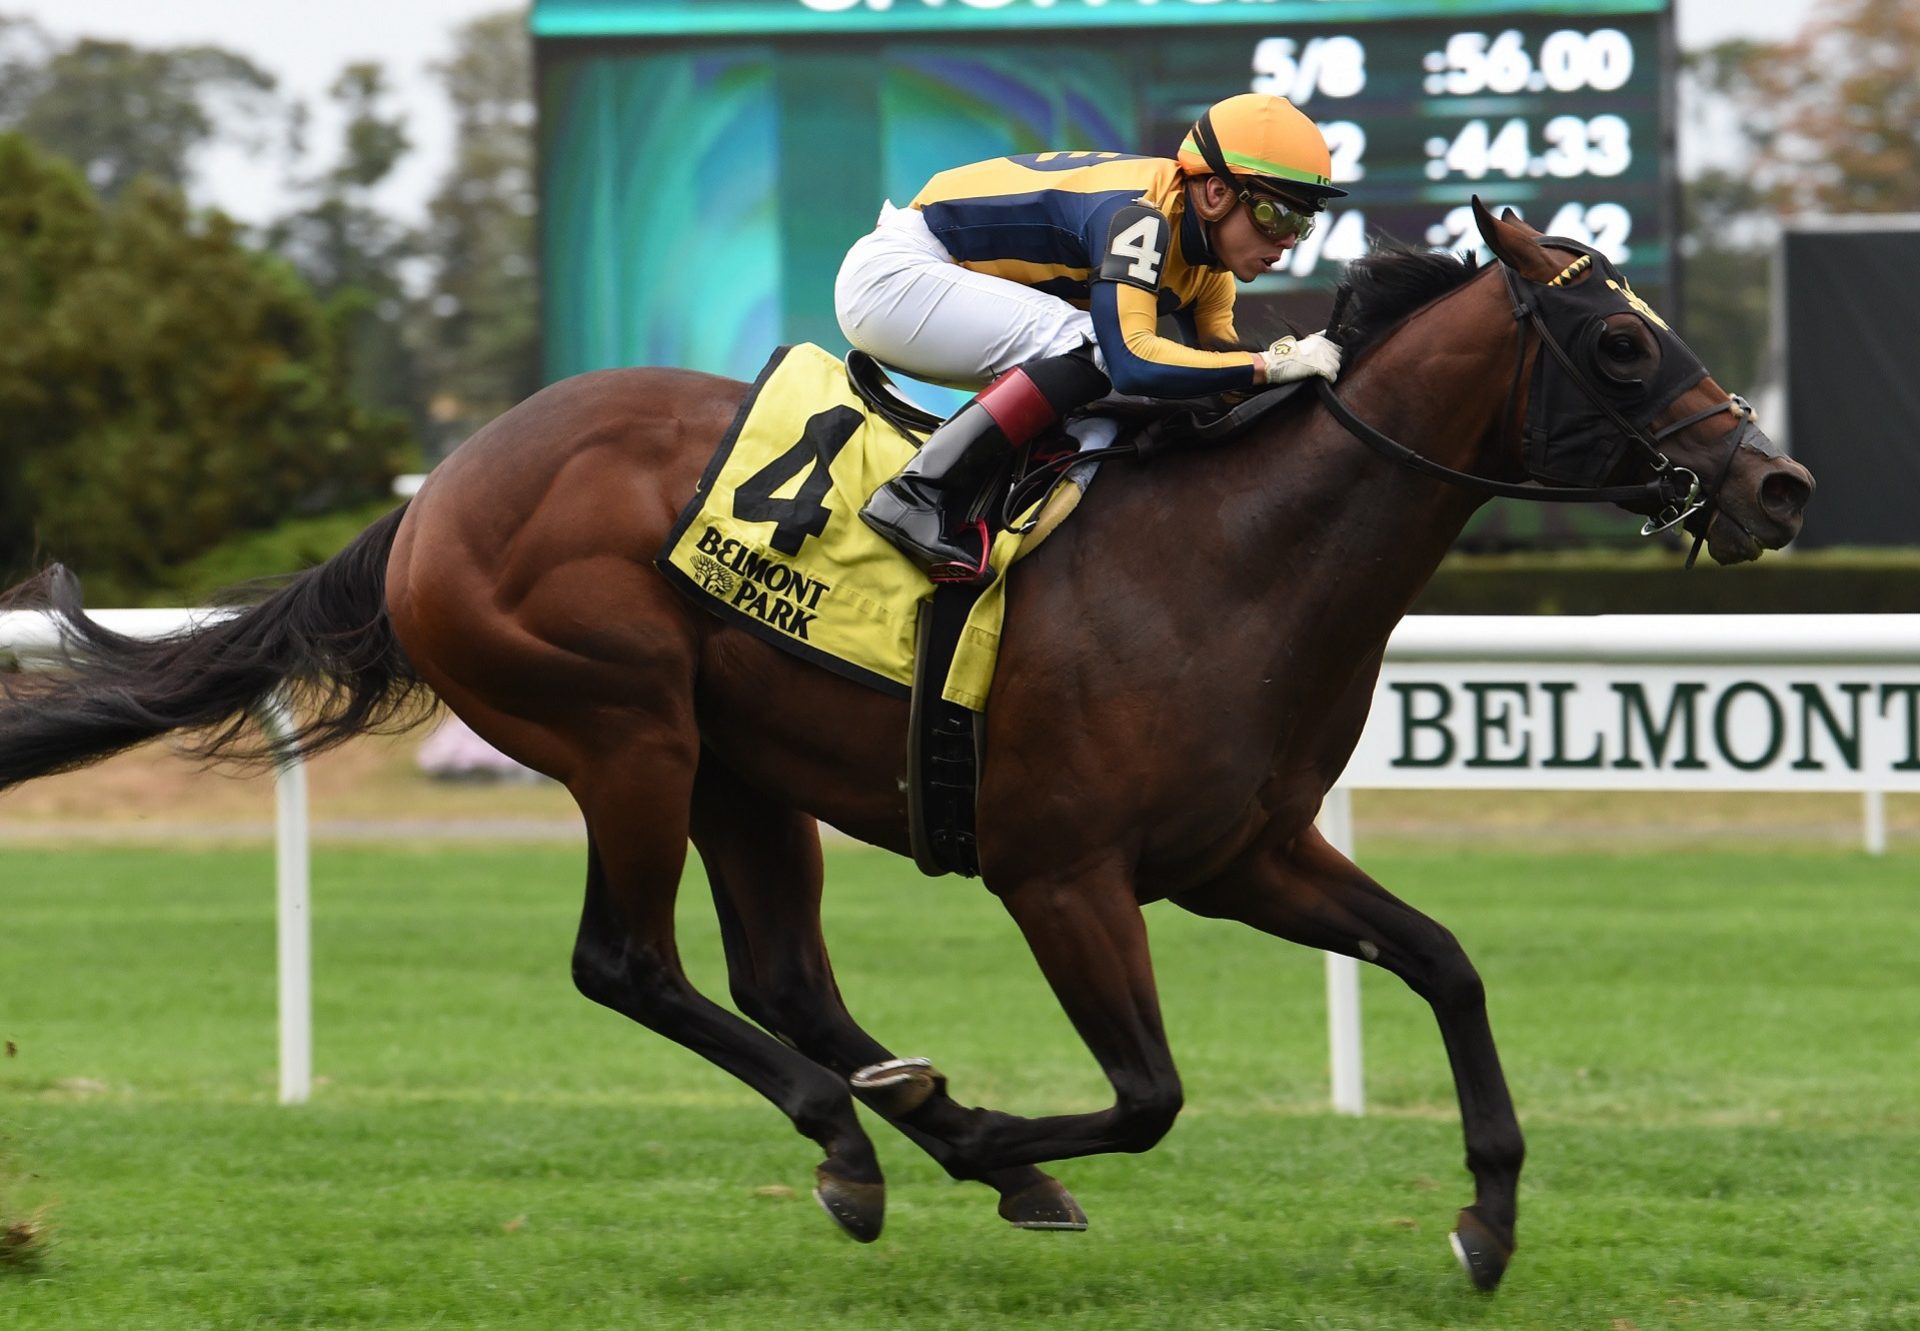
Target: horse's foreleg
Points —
{"points": [[1309, 893], [636, 806], [763, 862], [1087, 934]]}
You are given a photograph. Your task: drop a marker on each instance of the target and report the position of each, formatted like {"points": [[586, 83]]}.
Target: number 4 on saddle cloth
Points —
{"points": [[772, 542], [772, 539]]}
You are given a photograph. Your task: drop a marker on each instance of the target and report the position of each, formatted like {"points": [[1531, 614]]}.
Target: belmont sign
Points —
{"points": [[1793, 703], [1597, 727]]}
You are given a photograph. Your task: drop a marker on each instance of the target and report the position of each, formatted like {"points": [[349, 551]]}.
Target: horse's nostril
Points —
{"points": [[1784, 495]]}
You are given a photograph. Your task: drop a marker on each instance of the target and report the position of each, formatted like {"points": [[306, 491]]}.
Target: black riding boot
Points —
{"points": [[914, 510]]}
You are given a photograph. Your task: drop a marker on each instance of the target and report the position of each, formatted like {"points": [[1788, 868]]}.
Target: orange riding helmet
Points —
{"points": [[1267, 142]]}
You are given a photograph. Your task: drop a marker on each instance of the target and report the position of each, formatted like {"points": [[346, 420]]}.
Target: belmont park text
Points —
{"points": [[1679, 724]]}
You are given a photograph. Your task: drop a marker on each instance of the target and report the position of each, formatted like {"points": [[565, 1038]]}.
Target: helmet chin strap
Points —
{"points": [[1206, 227], [1209, 145]]}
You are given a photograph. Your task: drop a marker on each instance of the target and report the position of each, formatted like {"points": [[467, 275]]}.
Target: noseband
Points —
{"points": [[1745, 427], [1674, 493]]}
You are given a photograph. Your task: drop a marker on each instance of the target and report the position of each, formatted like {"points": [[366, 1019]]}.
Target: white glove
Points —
{"points": [[1296, 358]]}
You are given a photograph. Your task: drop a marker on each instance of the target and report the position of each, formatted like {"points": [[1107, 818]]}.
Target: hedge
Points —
{"points": [[1826, 582]]}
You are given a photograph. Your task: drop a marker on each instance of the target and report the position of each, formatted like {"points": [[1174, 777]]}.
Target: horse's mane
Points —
{"points": [[1384, 287]]}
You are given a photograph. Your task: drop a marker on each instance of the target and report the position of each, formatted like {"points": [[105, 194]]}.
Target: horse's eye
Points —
{"points": [[1620, 347]]}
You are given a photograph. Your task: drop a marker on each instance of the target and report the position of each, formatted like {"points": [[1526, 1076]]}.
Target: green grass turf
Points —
{"points": [[1714, 1058]]}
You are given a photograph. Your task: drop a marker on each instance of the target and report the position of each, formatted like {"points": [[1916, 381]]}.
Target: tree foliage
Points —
{"points": [[481, 328], [161, 384], [119, 111], [353, 252], [1726, 274], [1834, 114], [1831, 123]]}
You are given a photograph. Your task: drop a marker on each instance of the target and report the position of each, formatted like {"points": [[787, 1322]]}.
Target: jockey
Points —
{"points": [[1044, 278]]}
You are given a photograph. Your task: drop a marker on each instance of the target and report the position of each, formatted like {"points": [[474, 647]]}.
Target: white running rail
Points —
{"points": [[1727, 702], [1630, 702], [30, 640]]}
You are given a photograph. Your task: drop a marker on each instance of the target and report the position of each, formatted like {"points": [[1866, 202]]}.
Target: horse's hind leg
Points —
{"points": [[636, 804], [763, 861], [1086, 932], [1310, 893]]}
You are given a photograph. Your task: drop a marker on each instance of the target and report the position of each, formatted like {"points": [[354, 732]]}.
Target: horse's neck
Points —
{"points": [[1359, 534]]}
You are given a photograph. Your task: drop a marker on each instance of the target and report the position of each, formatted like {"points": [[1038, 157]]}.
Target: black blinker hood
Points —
{"points": [[1571, 438]]}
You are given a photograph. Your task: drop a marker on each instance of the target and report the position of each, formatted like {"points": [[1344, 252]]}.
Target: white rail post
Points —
{"points": [[1873, 810], [291, 861], [32, 639], [1343, 977]]}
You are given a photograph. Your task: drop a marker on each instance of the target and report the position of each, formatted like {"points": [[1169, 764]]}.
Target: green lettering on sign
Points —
{"points": [[1436, 722], [1633, 703], [1557, 692], [1486, 719], [1911, 693], [1814, 701], [1723, 725]]}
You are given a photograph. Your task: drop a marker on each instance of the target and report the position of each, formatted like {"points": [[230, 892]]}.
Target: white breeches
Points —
{"points": [[902, 299]]}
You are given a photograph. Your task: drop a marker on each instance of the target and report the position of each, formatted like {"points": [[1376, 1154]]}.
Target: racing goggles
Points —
{"points": [[1276, 219]]}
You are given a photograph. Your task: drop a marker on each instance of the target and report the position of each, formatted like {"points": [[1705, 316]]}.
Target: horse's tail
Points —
{"points": [[322, 639]]}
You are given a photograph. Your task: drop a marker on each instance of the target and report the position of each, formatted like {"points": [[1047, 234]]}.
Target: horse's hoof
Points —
{"points": [[1482, 1254], [1043, 1206], [858, 1208], [898, 1086]]}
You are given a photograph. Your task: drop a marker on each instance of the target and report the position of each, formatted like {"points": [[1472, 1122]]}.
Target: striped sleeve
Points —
{"points": [[1126, 319], [1213, 313]]}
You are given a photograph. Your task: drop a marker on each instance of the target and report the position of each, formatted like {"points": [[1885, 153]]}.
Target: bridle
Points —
{"points": [[1674, 493]]}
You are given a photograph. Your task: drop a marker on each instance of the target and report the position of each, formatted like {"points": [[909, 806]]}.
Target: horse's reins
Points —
{"points": [[1674, 499]]}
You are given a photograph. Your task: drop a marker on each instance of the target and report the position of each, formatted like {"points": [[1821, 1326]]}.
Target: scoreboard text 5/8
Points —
{"points": [[1560, 117]]}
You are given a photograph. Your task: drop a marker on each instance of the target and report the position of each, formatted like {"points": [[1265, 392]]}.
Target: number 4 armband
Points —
{"points": [[1136, 247]]}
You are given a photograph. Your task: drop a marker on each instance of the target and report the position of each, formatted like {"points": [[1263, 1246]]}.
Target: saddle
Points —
{"points": [[946, 743], [1149, 427]]}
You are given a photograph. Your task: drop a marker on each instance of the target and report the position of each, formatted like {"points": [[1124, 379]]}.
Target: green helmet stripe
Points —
{"points": [[1257, 167]]}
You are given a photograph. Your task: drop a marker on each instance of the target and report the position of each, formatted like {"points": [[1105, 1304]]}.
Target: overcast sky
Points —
{"points": [[304, 45], [305, 42]]}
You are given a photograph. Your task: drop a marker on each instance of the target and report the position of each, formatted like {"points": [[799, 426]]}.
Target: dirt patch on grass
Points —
{"points": [[25, 1231], [368, 780], [23, 1243], [1622, 820]]}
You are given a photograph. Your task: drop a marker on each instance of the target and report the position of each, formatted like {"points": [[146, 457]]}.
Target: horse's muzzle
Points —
{"points": [[1760, 507]]}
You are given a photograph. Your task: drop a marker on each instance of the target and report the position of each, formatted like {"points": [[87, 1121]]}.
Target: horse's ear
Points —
{"points": [[1512, 242], [1513, 218]]}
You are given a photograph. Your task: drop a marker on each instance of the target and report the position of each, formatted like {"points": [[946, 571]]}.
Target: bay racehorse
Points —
{"points": [[1186, 668]]}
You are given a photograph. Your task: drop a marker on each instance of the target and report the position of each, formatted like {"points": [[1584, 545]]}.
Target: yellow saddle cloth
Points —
{"points": [[772, 540]]}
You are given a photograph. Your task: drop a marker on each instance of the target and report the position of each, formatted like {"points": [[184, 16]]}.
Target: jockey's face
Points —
{"points": [[1239, 246]]}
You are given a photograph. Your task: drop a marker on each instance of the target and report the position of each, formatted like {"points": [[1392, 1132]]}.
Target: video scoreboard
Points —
{"points": [[706, 163], [1558, 116]]}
